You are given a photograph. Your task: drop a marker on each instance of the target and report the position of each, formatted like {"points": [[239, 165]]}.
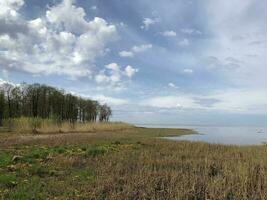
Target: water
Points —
{"points": [[222, 135]]}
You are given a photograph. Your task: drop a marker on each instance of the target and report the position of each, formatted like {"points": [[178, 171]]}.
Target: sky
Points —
{"points": [[160, 62]]}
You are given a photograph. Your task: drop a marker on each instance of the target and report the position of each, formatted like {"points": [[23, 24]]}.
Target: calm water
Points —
{"points": [[222, 135]]}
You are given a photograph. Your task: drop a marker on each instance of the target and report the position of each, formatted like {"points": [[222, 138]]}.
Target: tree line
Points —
{"points": [[36, 100]]}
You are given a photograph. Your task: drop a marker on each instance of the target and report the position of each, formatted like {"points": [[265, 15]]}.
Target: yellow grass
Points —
{"points": [[26, 125], [128, 164]]}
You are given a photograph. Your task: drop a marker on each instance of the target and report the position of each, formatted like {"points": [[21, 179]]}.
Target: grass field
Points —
{"points": [[128, 163]]}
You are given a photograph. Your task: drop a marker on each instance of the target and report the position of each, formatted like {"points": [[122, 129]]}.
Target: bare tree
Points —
{"points": [[41, 101]]}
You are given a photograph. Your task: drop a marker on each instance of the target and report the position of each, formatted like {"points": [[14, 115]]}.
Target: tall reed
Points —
{"points": [[39, 125]]}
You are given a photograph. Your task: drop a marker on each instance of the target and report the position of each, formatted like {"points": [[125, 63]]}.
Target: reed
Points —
{"points": [[41, 126], [128, 164]]}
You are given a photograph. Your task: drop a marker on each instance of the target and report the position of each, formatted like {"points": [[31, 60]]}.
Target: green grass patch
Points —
{"points": [[8, 180], [96, 151], [35, 153], [103, 149], [59, 149], [5, 159], [33, 189], [39, 170], [86, 174]]}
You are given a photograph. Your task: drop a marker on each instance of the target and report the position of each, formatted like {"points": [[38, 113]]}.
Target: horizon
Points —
{"points": [[170, 62]]}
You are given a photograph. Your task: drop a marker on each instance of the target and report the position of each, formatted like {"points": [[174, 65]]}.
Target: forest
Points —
{"points": [[46, 102]]}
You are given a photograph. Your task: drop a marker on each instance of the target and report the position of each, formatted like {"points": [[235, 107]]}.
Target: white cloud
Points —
{"points": [[122, 24], [101, 78], [141, 48], [113, 67], [10, 7], [135, 49], [241, 101], [110, 100], [229, 63], [183, 43], [170, 102], [62, 42], [235, 26], [130, 71], [169, 33], [114, 75], [172, 85], [147, 22], [126, 54], [250, 101], [188, 71], [190, 31], [94, 7], [71, 17], [5, 74]]}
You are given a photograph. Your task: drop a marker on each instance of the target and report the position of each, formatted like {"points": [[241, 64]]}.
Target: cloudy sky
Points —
{"points": [[160, 61]]}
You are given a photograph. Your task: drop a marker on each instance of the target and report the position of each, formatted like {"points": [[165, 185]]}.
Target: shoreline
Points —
{"points": [[128, 164]]}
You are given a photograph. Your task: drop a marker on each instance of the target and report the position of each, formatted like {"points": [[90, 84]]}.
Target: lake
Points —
{"points": [[221, 135]]}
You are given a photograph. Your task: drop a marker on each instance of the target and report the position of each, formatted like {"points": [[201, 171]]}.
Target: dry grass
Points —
{"points": [[184, 171], [42, 126], [129, 164]]}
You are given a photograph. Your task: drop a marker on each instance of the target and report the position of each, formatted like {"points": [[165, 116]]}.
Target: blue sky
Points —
{"points": [[175, 62]]}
